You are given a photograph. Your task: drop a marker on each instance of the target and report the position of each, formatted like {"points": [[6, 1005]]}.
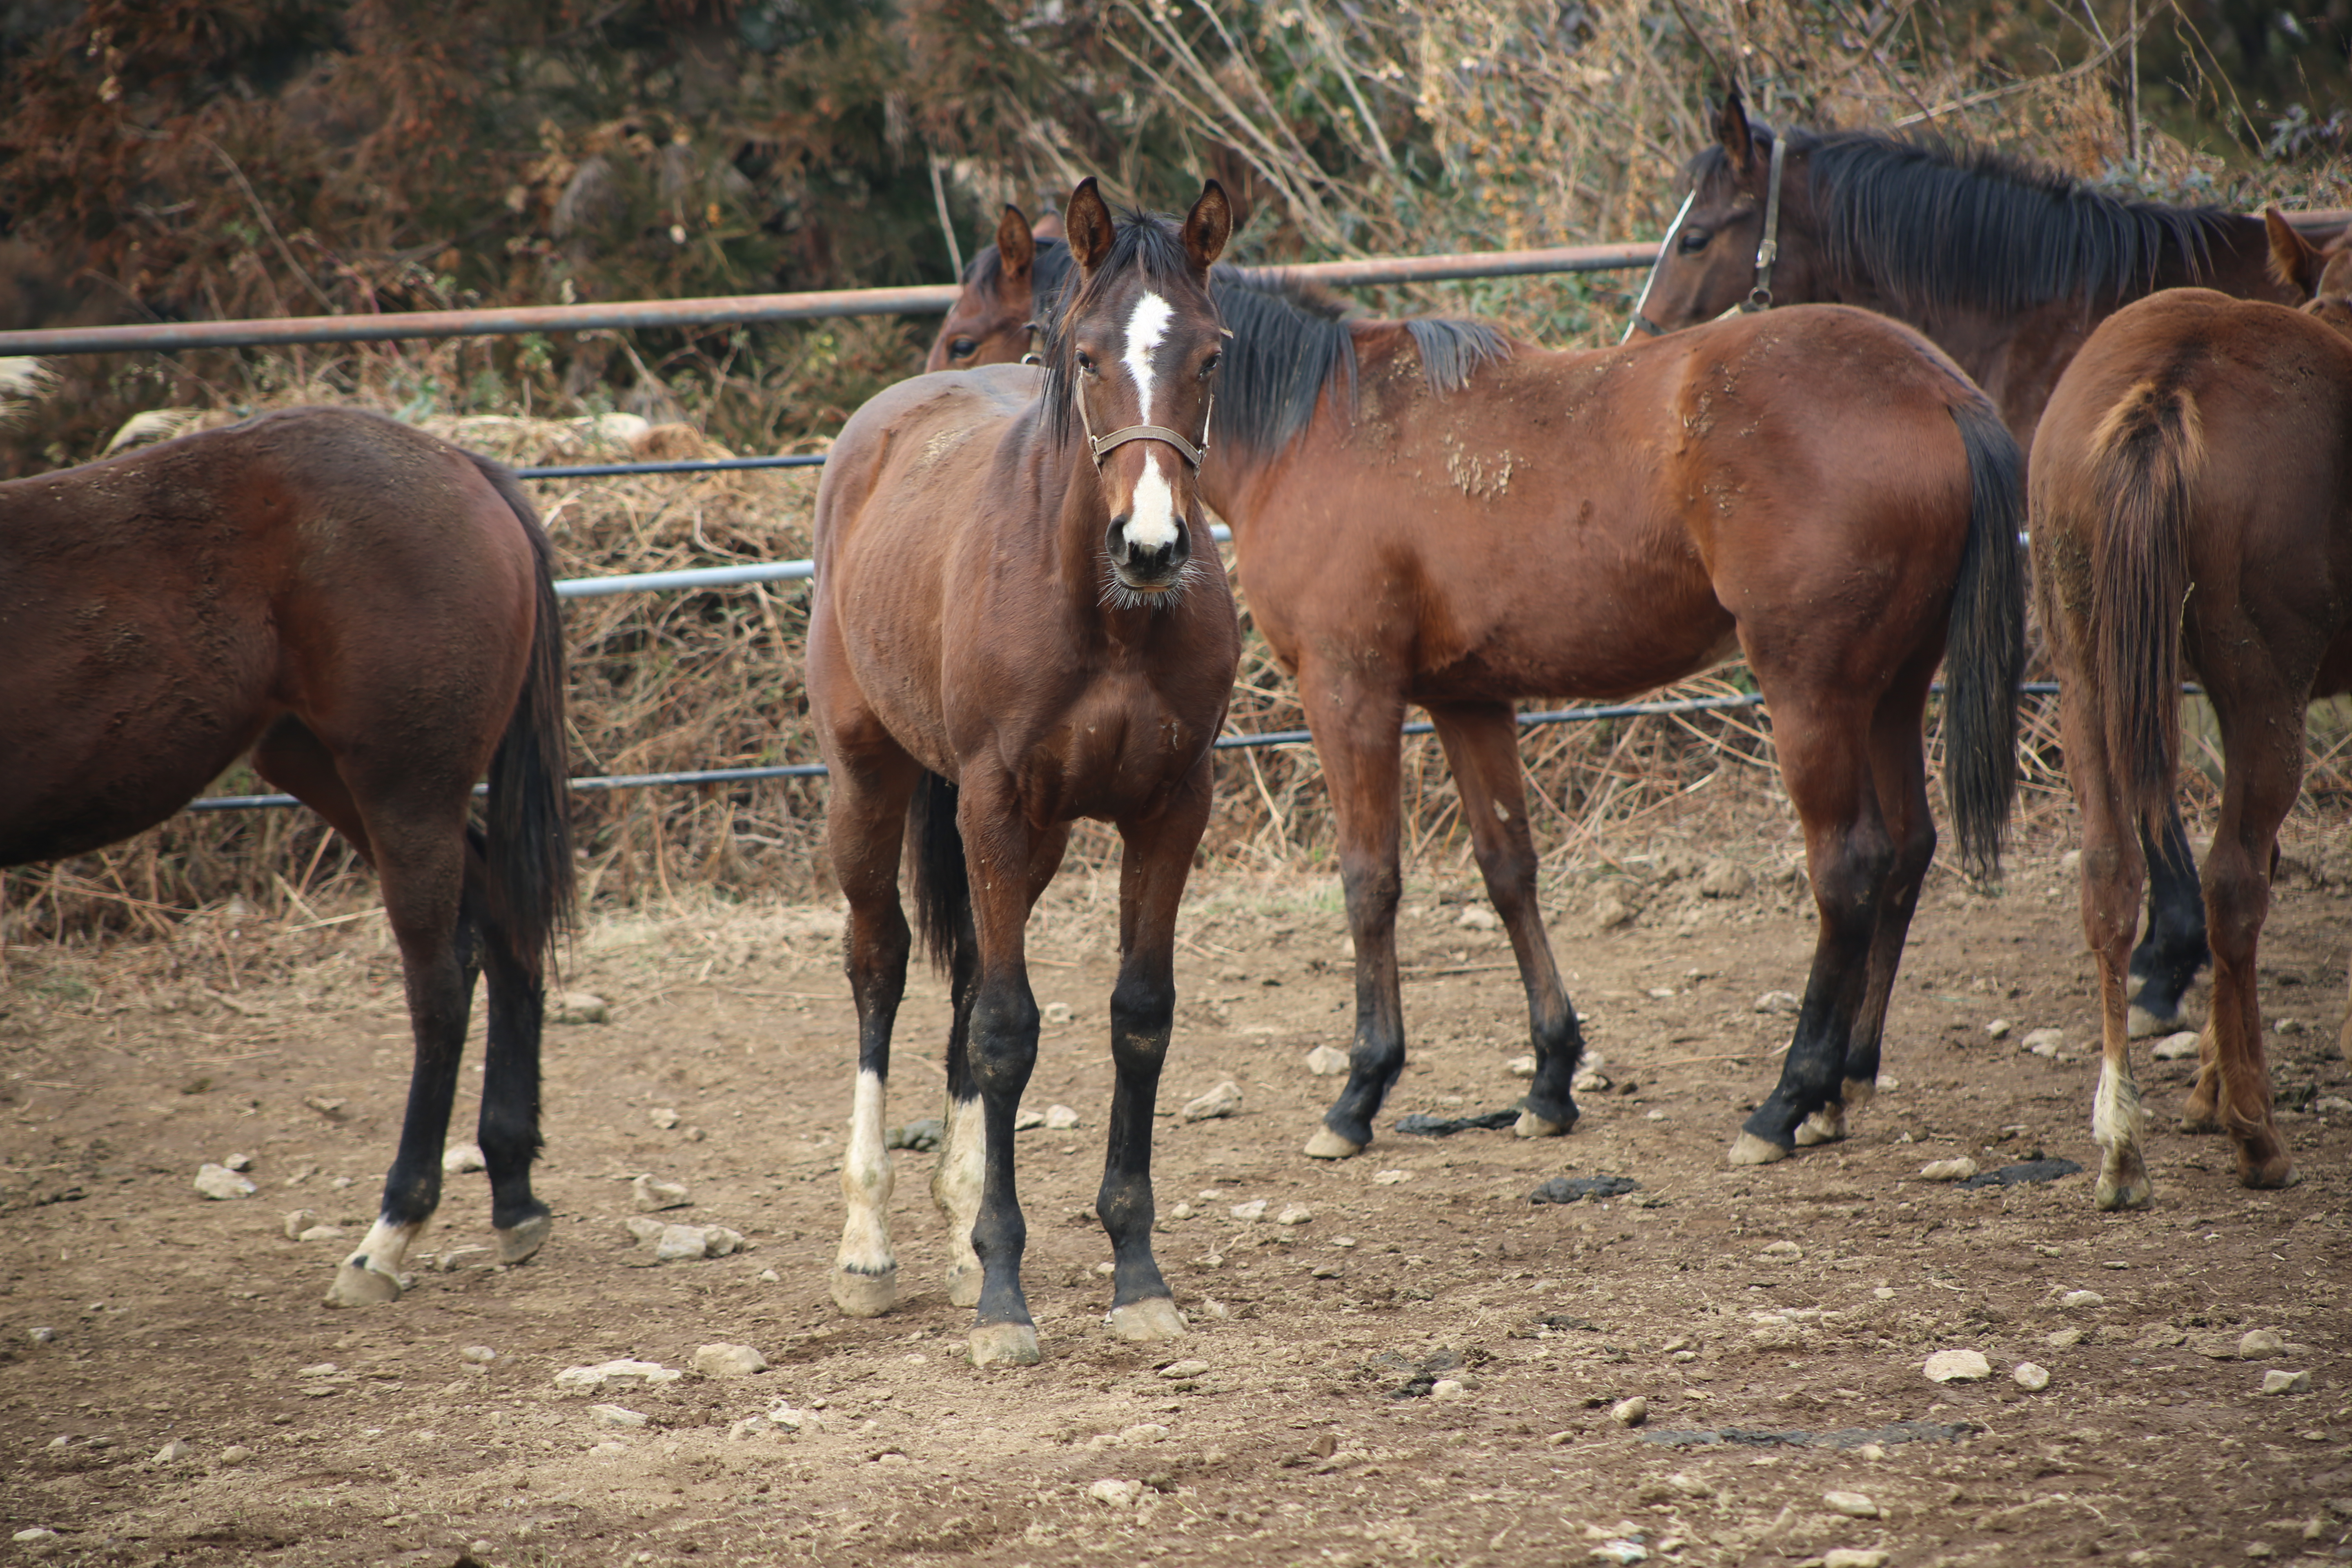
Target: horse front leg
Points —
{"points": [[1849, 858], [1152, 869], [1003, 1051], [1355, 725], [1482, 745]]}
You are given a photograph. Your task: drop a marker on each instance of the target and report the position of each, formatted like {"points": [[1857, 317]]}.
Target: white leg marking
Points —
{"points": [[2115, 1112], [370, 1274], [1151, 519], [863, 1270], [955, 1187]]}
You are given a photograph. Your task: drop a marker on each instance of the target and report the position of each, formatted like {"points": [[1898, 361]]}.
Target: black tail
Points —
{"points": [[942, 885], [1985, 650], [530, 816]]}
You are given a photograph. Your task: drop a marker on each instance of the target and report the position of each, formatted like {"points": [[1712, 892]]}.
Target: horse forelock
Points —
{"points": [[1928, 221]]}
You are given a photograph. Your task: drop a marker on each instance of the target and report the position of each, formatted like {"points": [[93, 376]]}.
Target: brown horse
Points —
{"points": [[2006, 267], [1019, 620], [369, 611], [1427, 513], [2193, 502]]}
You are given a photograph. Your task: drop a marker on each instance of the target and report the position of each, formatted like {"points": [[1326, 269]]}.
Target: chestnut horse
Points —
{"points": [[369, 611], [1426, 512], [2192, 503], [2006, 267], [1019, 620]]}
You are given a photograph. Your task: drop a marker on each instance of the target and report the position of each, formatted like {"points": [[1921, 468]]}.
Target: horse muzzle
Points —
{"points": [[1146, 566]]}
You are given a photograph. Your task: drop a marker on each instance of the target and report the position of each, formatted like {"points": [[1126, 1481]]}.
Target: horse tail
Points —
{"points": [[942, 884], [529, 818], [2144, 459], [1985, 650]]}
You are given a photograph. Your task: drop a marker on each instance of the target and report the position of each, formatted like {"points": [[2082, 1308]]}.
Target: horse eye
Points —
{"points": [[963, 348], [1085, 362], [1209, 365], [1694, 240]]}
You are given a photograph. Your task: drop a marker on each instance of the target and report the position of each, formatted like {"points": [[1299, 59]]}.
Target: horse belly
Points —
{"points": [[1598, 639]]}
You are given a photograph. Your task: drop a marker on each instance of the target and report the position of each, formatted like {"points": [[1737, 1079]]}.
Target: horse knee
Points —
{"points": [[1141, 1007]]}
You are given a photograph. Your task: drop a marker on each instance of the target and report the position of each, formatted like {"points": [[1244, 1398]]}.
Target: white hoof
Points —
{"points": [[1750, 1149], [2139, 1023], [1004, 1345], [1154, 1318], [523, 1242], [865, 1295], [1328, 1145], [1826, 1125], [963, 1286], [1530, 1125], [357, 1285]]}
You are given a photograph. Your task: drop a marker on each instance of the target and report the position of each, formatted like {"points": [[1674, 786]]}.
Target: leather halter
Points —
{"points": [[1768, 251], [1100, 446]]}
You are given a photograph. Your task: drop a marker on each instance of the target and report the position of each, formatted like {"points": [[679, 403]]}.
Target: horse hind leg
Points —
{"points": [[1481, 743], [413, 833], [2168, 958], [507, 1128]]}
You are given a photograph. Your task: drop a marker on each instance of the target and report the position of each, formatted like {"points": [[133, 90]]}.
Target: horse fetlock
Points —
{"points": [[861, 1294], [1004, 1344], [1154, 1318], [1826, 1125]]}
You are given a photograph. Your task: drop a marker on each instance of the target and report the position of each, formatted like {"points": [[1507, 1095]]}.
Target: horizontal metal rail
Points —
{"points": [[677, 466], [1222, 743], [744, 309]]}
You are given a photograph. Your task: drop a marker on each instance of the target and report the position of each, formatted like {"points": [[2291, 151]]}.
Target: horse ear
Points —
{"points": [[1089, 223], [1731, 130], [1014, 246], [2295, 260], [1207, 226]]}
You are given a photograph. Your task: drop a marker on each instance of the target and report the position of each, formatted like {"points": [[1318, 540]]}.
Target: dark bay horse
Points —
{"points": [[2192, 503], [369, 611], [2008, 268], [1019, 620], [1427, 513]]}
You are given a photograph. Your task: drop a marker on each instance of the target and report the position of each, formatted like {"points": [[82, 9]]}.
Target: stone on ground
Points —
{"points": [[1114, 1493], [2044, 1042], [460, 1158], [2031, 1378], [221, 1184], [619, 1415], [1221, 1101], [1478, 917], [1026, 1117], [2286, 1383], [1176, 1370], [1958, 1366], [652, 1195], [1294, 1215], [2260, 1342], [174, 1452], [1852, 1557], [1778, 1001], [1324, 1061], [729, 1361], [2181, 1046], [1060, 1118], [577, 1007], [623, 1373], [1449, 1388], [1959, 1170], [1629, 1412], [298, 1221], [1854, 1505], [2081, 1300]]}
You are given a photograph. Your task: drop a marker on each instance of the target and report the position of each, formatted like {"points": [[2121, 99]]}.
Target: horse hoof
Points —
{"points": [[963, 1286], [2139, 1024], [519, 1244], [1826, 1125], [2275, 1172], [356, 1285], [1530, 1125], [2115, 1195], [1004, 1345], [865, 1295], [1139, 1323], [1750, 1149], [1328, 1145]]}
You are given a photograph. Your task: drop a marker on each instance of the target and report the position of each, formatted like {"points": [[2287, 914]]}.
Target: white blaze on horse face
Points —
{"points": [[1152, 519]]}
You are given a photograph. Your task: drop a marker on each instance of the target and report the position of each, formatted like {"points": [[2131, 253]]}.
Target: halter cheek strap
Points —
{"points": [[1768, 251]]}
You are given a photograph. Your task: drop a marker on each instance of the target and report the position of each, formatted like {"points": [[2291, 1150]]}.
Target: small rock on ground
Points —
{"points": [[1478, 917], [2031, 1378], [729, 1361], [1178, 1370], [2081, 1300], [174, 1452], [664, 1117], [1059, 1013], [1629, 1412], [2286, 1383], [1522, 1067], [1221, 1101], [652, 1195], [1958, 1366], [2044, 1042], [1852, 1557], [239, 1163], [221, 1184], [1449, 1388], [1324, 1061], [1025, 1118], [1998, 1028], [624, 1371], [298, 1221], [460, 1158], [577, 1007], [1854, 1505], [2260, 1342], [2181, 1046], [1113, 1493], [1959, 1170], [1294, 1215], [619, 1415], [1778, 1001], [1060, 1118]]}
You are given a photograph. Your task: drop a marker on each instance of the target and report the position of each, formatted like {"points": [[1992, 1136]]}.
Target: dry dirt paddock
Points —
{"points": [[1425, 1368]]}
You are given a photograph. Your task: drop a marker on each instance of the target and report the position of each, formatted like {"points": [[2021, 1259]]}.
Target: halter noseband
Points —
{"points": [[1768, 251], [1100, 447]]}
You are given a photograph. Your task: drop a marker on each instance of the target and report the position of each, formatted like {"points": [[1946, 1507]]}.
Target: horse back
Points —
{"points": [[159, 610]]}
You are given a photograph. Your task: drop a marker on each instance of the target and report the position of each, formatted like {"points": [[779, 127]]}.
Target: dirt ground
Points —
{"points": [[1423, 1370]]}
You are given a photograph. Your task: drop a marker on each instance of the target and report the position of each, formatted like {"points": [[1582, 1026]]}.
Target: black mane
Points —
{"points": [[1289, 341], [1927, 223]]}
